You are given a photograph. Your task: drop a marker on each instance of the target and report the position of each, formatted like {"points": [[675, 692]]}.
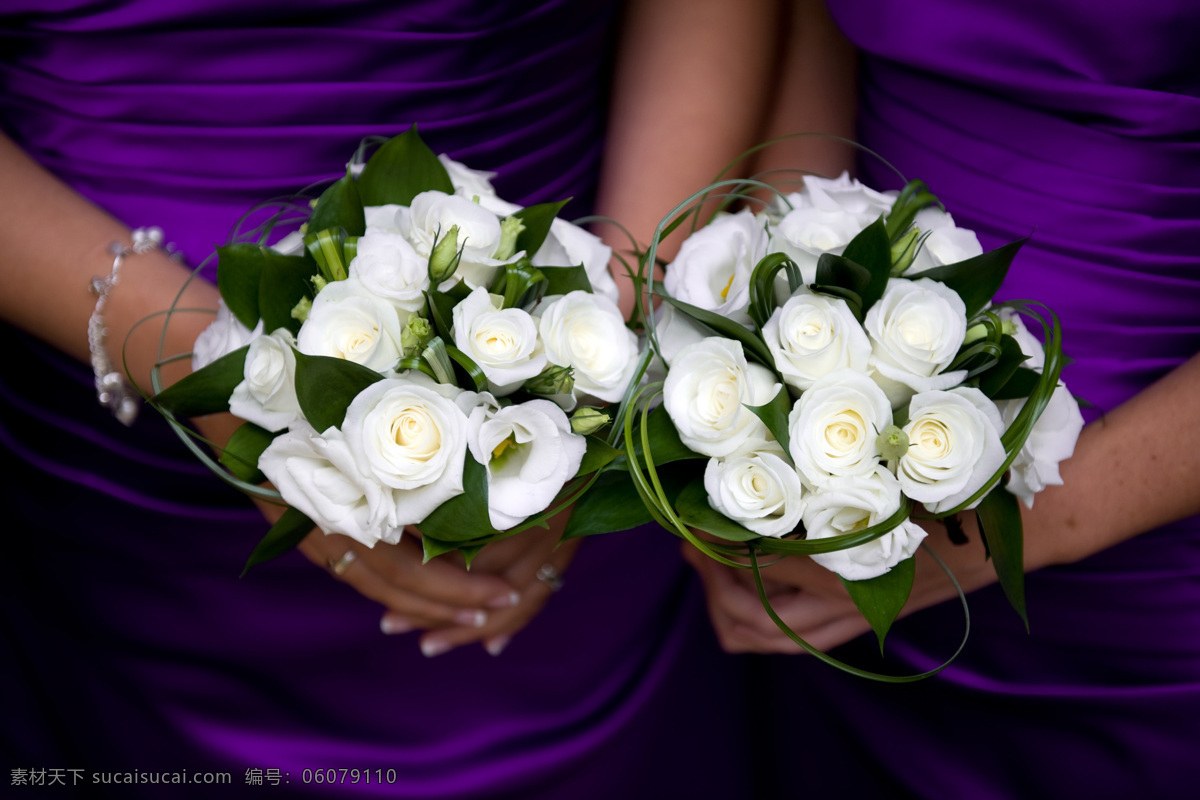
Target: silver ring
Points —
{"points": [[340, 566], [549, 575]]}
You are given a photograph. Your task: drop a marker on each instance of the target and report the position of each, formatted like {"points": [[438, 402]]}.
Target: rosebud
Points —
{"points": [[443, 261], [301, 309], [416, 333], [905, 250], [510, 229], [892, 443], [589, 420], [551, 381]]}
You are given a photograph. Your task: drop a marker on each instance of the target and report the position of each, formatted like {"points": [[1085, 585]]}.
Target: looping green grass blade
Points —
{"points": [[763, 298], [751, 344], [832, 544]]}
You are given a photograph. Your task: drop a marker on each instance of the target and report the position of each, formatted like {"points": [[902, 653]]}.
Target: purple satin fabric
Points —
{"points": [[128, 640], [1080, 127]]}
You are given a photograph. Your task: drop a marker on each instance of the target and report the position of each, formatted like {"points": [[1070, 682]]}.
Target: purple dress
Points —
{"points": [[1081, 125], [127, 641]]}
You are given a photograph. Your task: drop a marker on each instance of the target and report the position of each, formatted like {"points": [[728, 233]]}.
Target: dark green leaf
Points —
{"points": [[284, 281], [467, 368], [285, 534], [665, 445], [695, 512], [325, 387], [340, 207], [1021, 384], [435, 547], [774, 415], [1009, 361], [881, 599], [1000, 522], [977, 279], [441, 313], [613, 504], [239, 273], [206, 391], [599, 454], [871, 250], [400, 170], [537, 221], [465, 516], [241, 453], [469, 551], [519, 278], [912, 199], [564, 280], [751, 344], [849, 280]]}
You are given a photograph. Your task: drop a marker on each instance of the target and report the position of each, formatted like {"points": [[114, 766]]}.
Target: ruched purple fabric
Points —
{"points": [[1078, 125], [128, 641]]}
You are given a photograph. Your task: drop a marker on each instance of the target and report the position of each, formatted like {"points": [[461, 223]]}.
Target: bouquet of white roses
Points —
{"points": [[832, 362], [410, 357]]}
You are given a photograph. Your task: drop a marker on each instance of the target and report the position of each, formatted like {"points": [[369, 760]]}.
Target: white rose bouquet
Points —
{"points": [[835, 366], [412, 356]]}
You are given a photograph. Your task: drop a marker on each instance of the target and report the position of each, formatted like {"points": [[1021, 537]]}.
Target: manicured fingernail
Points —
{"points": [[505, 601], [496, 645], [434, 647], [472, 619], [390, 624]]}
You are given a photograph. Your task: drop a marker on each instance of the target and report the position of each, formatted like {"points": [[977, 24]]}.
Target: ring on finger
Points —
{"points": [[340, 566], [549, 575]]}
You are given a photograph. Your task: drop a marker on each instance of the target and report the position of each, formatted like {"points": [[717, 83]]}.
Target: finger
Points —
{"points": [[439, 580]]}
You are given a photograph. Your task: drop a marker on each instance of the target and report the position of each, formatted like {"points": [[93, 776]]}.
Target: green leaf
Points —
{"points": [[285, 534], [762, 285], [469, 551], [441, 313], [435, 547], [325, 387], [912, 198], [1000, 522], [400, 170], [205, 391], [284, 281], [841, 277], [613, 504], [1021, 384], [599, 454], [1009, 360], [695, 512], [977, 279], [465, 516], [774, 415], [665, 444], [537, 221], [239, 274], [339, 206], [872, 250], [466, 367], [241, 453], [519, 279], [881, 599], [751, 344], [564, 280]]}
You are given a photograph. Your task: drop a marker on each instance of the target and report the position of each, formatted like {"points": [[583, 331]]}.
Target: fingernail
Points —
{"points": [[390, 624], [496, 645], [434, 647], [505, 601], [472, 619]]}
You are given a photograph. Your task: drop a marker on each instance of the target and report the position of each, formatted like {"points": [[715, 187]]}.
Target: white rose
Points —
{"points": [[382, 219], [388, 266], [530, 453], [835, 425], [1051, 442], [713, 268], [503, 342], [467, 182], [846, 505], [349, 321], [223, 335], [945, 244], [824, 218], [813, 335], [411, 438], [759, 490], [570, 245], [954, 447], [916, 329], [433, 214], [673, 331], [267, 395], [587, 332], [706, 392], [317, 475]]}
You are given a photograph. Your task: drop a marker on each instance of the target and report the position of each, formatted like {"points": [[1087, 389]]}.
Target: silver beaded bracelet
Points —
{"points": [[112, 389]]}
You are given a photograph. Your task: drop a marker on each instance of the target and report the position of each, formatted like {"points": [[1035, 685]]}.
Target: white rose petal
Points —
{"points": [[945, 244], [530, 453], [467, 182], [503, 342], [954, 447], [587, 332], [850, 504], [1051, 442], [916, 329], [759, 490], [570, 245], [411, 438], [813, 335], [433, 214], [706, 392], [267, 395], [317, 475], [382, 219], [224, 335], [349, 321], [835, 425], [713, 268], [388, 266]]}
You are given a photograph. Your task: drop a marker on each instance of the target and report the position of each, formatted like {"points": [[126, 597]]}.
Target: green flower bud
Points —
{"points": [[510, 229], [589, 420], [319, 283], [551, 381], [301, 309], [415, 335], [975, 333], [443, 261], [905, 250], [892, 443]]}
